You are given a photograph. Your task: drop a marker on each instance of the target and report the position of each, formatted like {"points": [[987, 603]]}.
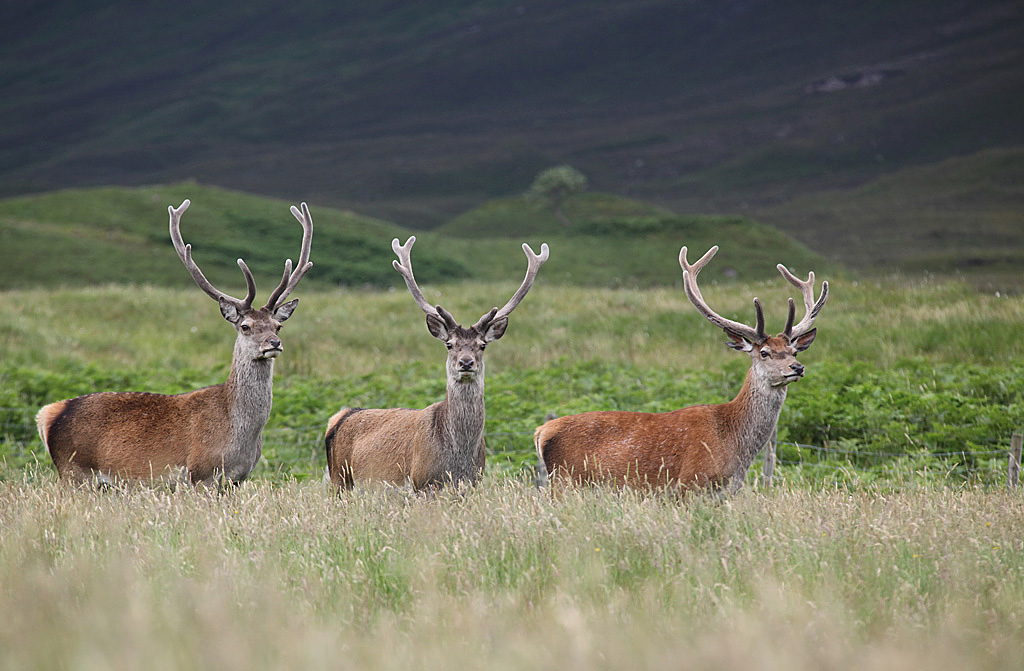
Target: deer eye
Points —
{"points": [[765, 354], [245, 328], [483, 346], [448, 345]]}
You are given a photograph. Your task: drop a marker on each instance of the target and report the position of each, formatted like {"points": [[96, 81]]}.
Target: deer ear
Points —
{"points": [[229, 311], [804, 341], [285, 311], [738, 342], [495, 329], [437, 327]]}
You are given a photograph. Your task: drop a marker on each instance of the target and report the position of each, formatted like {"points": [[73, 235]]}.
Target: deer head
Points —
{"points": [[465, 345], [773, 358], [257, 329]]}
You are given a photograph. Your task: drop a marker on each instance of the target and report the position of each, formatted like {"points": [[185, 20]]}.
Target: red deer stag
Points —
{"points": [[443, 443], [210, 436], [702, 446]]}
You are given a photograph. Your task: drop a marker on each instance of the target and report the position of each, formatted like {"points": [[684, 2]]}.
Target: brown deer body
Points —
{"points": [[702, 446], [208, 436], [443, 443]]}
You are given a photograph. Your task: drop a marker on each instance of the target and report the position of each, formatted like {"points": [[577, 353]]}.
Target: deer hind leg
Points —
{"points": [[72, 470]]}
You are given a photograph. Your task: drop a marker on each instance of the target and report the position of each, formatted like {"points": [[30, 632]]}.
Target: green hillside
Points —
{"points": [[119, 235], [617, 241]]}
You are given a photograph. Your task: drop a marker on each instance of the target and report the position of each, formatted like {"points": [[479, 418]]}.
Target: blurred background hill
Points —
{"points": [[875, 134], [103, 235]]}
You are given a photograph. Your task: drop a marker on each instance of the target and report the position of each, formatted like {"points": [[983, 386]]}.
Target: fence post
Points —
{"points": [[1013, 472], [768, 468]]}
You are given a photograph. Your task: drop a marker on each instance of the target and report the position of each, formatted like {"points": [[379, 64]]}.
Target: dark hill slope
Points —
{"points": [[420, 110], [963, 215]]}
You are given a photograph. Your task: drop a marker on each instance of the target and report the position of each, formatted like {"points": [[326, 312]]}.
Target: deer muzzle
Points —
{"points": [[271, 348]]}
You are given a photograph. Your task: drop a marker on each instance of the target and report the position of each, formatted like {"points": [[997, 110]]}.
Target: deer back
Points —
{"points": [[638, 449], [136, 435]]}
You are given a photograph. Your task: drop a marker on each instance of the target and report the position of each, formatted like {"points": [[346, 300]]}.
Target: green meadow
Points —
{"points": [[903, 374]]}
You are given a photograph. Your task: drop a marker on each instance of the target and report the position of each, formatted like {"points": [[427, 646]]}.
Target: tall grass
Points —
{"points": [[286, 575]]}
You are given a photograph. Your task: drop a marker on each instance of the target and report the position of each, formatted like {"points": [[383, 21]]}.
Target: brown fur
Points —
{"points": [[395, 445], [694, 447], [128, 435]]}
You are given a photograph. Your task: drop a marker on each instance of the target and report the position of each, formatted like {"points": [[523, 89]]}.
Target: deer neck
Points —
{"points": [[461, 415], [754, 414], [250, 396]]}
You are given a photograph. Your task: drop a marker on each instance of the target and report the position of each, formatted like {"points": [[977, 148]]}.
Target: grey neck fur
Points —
{"points": [[461, 424], [250, 397], [764, 405]]}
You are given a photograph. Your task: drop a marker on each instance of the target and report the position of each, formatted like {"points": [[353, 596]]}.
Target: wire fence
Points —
{"points": [[299, 452]]}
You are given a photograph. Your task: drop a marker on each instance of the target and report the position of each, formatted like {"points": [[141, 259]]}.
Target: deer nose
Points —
{"points": [[798, 368], [467, 363], [275, 343]]}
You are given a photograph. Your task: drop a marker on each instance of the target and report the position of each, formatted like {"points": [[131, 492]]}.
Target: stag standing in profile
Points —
{"points": [[444, 443], [210, 436], [702, 446]]}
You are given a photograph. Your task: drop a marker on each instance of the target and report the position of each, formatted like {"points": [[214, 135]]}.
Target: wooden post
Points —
{"points": [[768, 468], [1013, 474]]}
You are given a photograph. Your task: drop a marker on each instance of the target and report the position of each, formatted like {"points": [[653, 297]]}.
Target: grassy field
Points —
{"points": [[276, 576], [891, 562]]}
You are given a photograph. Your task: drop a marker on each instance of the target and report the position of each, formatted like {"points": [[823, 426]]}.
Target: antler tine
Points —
{"points": [[693, 293], [250, 284], [185, 254], [290, 280], [790, 318], [696, 267], [534, 262], [811, 307], [404, 266]]}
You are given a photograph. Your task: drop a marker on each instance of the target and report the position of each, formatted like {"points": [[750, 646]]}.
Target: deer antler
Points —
{"points": [[185, 254], [534, 262], [811, 308], [693, 293], [291, 279], [404, 266]]}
